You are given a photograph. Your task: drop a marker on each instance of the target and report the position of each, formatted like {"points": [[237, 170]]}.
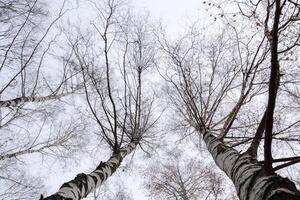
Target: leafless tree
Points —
{"points": [[117, 192], [183, 179], [236, 89], [26, 44], [25, 48], [114, 74], [231, 72]]}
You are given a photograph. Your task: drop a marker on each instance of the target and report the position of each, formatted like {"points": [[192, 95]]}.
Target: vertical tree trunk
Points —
{"points": [[84, 184], [251, 180]]}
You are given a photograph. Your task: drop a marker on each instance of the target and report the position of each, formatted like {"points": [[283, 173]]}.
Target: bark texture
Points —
{"points": [[251, 180], [84, 184], [19, 100]]}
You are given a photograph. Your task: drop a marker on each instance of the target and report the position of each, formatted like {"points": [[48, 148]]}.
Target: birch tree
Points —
{"points": [[116, 96], [25, 49], [231, 72], [27, 42]]}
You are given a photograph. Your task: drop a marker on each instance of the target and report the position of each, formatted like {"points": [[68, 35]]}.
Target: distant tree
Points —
{"points": [[117, 192], [183, 179]]}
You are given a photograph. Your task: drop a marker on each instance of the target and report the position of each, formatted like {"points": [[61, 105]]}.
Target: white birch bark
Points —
{"points": [[22, 152], [20, 100], [84, 184], [248, 176]]}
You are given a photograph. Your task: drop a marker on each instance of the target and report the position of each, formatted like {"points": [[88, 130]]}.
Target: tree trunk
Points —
{"points": [[84, 184], [19, 100], [251, 180]]}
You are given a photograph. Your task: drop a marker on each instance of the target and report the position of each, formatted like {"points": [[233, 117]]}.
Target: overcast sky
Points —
{"points": [[175, 14]]}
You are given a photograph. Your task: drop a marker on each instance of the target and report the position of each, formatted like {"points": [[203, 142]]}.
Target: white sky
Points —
{"points": [[175, 14]]}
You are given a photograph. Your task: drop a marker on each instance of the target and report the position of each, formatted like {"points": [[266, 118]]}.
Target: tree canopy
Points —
{"points": [[97, 98]]}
